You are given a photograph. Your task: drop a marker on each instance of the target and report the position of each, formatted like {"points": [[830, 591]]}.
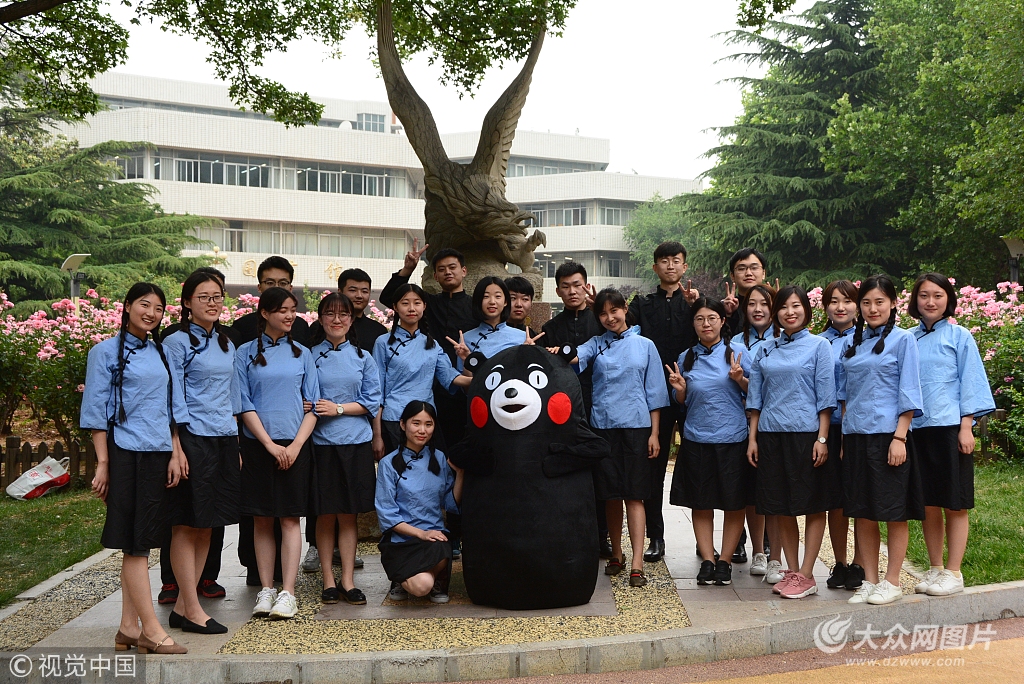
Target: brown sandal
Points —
{"points": [[614, 566], [147, 645], [636, 578], [122, 642]]}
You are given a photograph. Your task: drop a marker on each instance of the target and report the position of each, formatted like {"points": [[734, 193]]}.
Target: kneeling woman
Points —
{"points": [[133, 405], [343, 475], [712, 471], [415, 486], [274, 375]]}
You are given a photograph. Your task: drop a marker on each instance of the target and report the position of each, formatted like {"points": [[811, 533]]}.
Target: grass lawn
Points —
{"points": [[44, 536], [995, 546]]}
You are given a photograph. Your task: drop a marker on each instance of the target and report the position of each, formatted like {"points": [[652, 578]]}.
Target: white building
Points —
{"points": [[348, 192]]}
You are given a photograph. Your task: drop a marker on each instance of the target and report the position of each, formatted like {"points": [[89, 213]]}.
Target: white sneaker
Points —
{"points": [[264, 602], [862, 593], [284, 607], [773, 572], [927, 581], [885, 593], [311, 563], [946, 584], [760, 564], [438, 596]]}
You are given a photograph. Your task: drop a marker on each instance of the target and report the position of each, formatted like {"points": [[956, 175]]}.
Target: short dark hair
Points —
{"points": [[478, 297], [520, 285], [937, 279], [356, 274], [278, 262], [746, 253], [569, 269], [610, 295], [210, 270], [669, 249], [445, 254]]}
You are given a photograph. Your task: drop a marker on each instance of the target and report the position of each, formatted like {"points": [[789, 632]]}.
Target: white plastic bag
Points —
{"points": [[40, 479]]}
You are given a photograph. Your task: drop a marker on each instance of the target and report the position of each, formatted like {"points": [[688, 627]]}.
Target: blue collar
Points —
{"points": [[798, 335], [704, 351], [268, 341], [133, 343], [199, 331], [923, 330]]}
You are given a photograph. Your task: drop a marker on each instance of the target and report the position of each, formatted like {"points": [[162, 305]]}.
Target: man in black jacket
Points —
{"points": [[664, 318], [574, 326]]}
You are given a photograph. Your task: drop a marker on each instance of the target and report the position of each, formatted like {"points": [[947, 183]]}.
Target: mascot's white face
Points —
{"points": [[516, 404]]}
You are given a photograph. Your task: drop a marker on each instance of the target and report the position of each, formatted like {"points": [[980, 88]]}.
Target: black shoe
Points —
{"points": [[655, 552], [330, 595], [168, 594], [210, 589], [211, 627], [605, 548], [740, 555], [700, 556], [456, 549], [707, 573], [767, 546], [854, 576], [354, 597], [723, 573], [837, 578], [359, 562], [252, 578], [175, 620]]}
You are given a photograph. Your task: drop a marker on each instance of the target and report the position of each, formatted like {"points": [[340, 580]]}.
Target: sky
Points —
{"points": [[644, 74]]}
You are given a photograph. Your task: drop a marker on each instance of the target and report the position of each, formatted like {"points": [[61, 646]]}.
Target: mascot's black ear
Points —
{"points": [[567, 352], [474, 361]]}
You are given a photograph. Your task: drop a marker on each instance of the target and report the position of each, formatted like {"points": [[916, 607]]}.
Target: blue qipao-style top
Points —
{"points": [[878, 388], [953, 379], [408, 370], [207, 373], [714, 402], [792, 380], [345, 377], [275, 391], [417, 497]]}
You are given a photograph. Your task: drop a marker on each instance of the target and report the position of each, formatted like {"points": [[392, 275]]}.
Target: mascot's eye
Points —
{"points": [[494, 379], [538, 379]]}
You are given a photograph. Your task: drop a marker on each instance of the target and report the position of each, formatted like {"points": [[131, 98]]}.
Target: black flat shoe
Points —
{"points": [[354, 597], [175, 620], [740, 556], [605, 548], [330, 595], [252, 578], [211, 627], [655, 552]]}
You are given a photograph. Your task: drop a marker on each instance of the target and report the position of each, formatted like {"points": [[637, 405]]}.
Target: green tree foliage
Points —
{"points": [[769, 186], [57, 200]]}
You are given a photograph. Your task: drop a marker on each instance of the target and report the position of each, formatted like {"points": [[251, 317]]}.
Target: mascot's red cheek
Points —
{"points": [[478, 411], [560, 408]]}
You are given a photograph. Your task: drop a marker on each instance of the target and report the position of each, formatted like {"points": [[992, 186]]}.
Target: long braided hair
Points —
{"points": [[414, 407], [329, 304], [424, 329], [136, 292], [844, 287], [188, 289], [888, 288], [715, 306], [272, 300], [768, 292]]}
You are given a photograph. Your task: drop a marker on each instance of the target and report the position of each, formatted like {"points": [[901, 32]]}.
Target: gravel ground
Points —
{"points": [[63, 603]]}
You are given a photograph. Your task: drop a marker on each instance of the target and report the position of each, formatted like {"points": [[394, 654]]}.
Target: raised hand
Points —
{"points": [[777, 288], [731, 301], [736, 370], [690, 293], [461, 350], [590, 292], [412, 259], [675, 378], [532, 340]]}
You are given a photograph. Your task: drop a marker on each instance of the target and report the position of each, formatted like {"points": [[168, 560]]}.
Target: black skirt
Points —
{"points": [[626, 474], [138, 501], [875, 490], [268, 491], [712, 476], [787, 481], [344, 480], [947, 476], [210, 495], [405, 559], [834, 466]]}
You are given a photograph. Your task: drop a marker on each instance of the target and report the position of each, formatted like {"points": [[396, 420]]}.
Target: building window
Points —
{"points": [[133, 166], [615, 215], [614, 268], [370, 122]]}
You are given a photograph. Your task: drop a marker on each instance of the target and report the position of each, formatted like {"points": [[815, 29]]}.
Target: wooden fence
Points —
{"points": [[16, 458]]}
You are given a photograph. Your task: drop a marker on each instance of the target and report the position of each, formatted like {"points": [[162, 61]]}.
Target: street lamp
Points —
{"points": [[1016, 247], [71, 266]]}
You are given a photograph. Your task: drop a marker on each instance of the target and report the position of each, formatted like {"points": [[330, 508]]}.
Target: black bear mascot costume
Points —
{"points": [[528, 525]]}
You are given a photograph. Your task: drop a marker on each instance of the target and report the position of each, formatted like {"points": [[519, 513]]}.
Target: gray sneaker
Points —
{"points": [[438, 596], [397, 592], [311, 563]]}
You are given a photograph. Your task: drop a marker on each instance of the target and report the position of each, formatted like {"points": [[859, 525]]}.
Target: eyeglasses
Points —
{"points": [[340, 315], [743, 268], [275, 283], [710, 320], [206, 299]]}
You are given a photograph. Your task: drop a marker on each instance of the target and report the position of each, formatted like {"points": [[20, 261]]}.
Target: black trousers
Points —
{"points": [[211, 571], [670, 416], [247, 545]]}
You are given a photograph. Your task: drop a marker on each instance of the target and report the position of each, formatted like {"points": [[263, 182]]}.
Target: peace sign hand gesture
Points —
{"points": [[731, 301], [675, 378], [412, 259], [589, 293], [532, 340], [736, 370], [461, 349], [690, 293]]}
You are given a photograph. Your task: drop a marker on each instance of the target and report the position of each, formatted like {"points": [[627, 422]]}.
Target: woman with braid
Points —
{"points": [[880, 383], [133, 404], [712, 471], [274, 376], [202, 359], [408, 360]]}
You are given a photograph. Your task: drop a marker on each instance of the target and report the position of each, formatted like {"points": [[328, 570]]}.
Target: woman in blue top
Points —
{"points": [[839, 298], [203, 360], [712, 471], [133, 405], [416, 485], [955, 391], [408, 360], [629, 393], [881, 386], [791, 398], [491, 306], [275, 375], [343, 474]]}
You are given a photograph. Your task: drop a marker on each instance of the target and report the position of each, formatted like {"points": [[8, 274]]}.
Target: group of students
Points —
{"points": [[271, 420]]}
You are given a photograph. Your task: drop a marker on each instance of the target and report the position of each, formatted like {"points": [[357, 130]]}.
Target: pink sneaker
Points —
{"points": [[787, 577], [799, 586]]}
